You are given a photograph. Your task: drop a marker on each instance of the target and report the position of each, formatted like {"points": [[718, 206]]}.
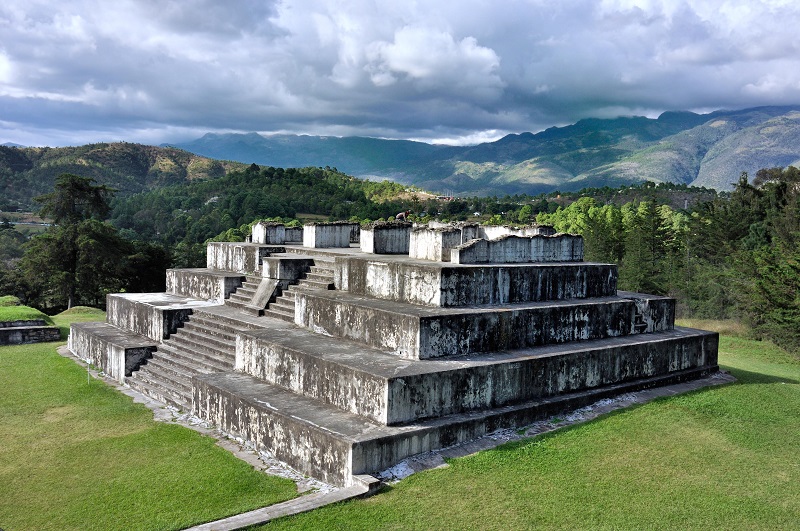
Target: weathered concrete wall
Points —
{"points": [[440, 285], [152, 315], [24, 322], [416, 333], [203, 284], [386, 238], [294, 234], [19, 335], [513, 249], [265, 232], [116, 352], [242, 406], [287, 363], [237, 257], [549, 372], [286, 269], [433, 244], [321, 235], [307, 437]]}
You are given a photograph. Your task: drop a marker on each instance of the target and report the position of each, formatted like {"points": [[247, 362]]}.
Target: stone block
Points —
{"points": [[436, 284], [201, 283], [21, 335], [265, 232], [287, 269], [434, 244], [386, 238], [422, 333], [116, 352], [238, 257], [322, 235], [152, 315]]}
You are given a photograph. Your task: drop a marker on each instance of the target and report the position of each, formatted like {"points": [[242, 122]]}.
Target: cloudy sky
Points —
{"points": [[455, 71]]}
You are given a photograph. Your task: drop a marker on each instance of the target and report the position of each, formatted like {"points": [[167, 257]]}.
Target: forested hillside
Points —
{"points": [[194, 212], [128, 168], [737, 256]]}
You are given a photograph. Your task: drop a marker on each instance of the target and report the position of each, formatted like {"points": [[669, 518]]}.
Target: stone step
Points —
{"points": [[179, 378], [317, 277], [279, 314], [198, 326], [283, 304], [212, 351], [245, 307], [316, 284], [392, 390], [201, 335], [190, 360], [227, 319], [418, 332], [161, 391], [332, 445]]}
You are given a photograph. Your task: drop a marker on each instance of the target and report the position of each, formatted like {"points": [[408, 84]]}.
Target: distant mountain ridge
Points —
{"points": [[709, 150], [129, 168]]}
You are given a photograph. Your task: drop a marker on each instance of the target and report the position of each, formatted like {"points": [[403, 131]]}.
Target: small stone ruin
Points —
{"points": [[344, 358]]}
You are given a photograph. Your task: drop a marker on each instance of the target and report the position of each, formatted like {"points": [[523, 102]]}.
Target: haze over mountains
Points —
{"points": [[708, 150]]}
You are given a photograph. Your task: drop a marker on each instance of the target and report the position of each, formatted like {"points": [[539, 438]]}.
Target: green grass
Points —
{"points": [[77, 314], [78, 455], [22, 313], [9, 300], [726, 457]]}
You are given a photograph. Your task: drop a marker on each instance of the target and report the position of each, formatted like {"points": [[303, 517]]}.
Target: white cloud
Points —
{"points": [[437, 70]]}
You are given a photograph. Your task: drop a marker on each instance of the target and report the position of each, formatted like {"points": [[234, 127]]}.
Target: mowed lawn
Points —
{"points": [[80, 455], [721, 458]]}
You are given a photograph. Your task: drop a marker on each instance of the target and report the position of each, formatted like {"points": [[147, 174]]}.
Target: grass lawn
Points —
{"points": [[78, 455], [22, 313], [720, 458]]}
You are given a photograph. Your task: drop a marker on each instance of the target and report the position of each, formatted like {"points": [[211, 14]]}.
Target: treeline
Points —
{"points": [[736, 256], [192, 213]]}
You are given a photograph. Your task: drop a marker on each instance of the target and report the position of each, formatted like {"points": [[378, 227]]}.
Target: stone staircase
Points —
{"points": [[319, 277], [205, 344]]}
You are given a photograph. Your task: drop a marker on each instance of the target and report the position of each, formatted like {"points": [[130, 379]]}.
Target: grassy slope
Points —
{"points": [[724, 457], [78, 455], [22, 313]]}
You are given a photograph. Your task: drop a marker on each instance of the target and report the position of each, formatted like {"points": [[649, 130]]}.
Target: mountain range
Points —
{"points": [[705, 150]]}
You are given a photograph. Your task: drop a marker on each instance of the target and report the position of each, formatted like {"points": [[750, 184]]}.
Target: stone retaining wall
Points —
{"points": [[20, 335], [442, 285]]}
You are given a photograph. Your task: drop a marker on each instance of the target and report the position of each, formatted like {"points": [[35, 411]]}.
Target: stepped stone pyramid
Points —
{"points": [[344, 349]]}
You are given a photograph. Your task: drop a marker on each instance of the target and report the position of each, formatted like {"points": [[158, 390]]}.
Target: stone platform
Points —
{"points": [[371, 358]]}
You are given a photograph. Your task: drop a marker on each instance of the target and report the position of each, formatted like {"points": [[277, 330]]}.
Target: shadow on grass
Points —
{"points": [[750, 377]]}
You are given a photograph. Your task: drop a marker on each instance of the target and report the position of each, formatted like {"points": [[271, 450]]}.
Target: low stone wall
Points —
{"points": [[416, 333], [265, 232], [294, 234], [513, 249], [20, 335], [322, 235], [23, 322], [386, 238], [433, 244], [289, 363], [152, 315], [202, 284], [442, 285], [235, 403], [558, 381], [287, 270], [237, 257], [116, 352]]}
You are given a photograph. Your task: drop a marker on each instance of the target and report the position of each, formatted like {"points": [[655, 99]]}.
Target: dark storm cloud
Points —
{"points": [[154, 71]]}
